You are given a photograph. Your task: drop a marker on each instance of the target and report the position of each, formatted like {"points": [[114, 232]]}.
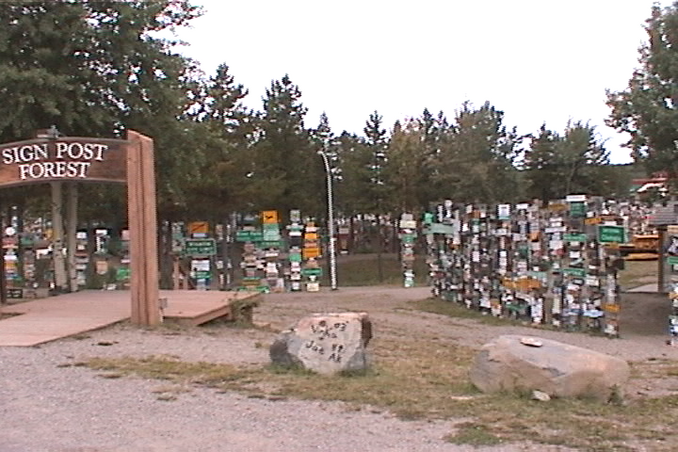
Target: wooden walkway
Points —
{"points": [[48, 319]]}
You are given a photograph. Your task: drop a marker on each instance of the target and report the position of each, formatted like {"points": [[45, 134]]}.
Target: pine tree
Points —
{"points": [[541, 166], [648, 109], [286, 165], [477, 161], [377, 145], [96, 69]]}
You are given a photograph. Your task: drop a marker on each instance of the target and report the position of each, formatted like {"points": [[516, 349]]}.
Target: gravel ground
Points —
{"points": [[46, 405]]}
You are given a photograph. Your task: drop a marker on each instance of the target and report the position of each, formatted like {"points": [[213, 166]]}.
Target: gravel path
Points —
{"points": [[48, 405]]}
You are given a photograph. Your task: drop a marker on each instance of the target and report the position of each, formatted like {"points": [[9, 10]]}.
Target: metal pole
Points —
{"points": [[330, 220]]}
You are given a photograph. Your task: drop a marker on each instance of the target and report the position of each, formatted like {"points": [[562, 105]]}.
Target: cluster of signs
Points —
{"points": [[201, 249], [555, 264], [264, 268], [407, 232]]}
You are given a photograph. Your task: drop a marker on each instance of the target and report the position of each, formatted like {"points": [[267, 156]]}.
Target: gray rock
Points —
{"points": [[540, 396], [325, 343], [557, 369]]}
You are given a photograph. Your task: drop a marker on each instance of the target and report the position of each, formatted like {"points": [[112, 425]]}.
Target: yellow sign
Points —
{"points": [[522, 284], [611, 308], [311, 252], [594, 220], [198, 227], [269, 216]]}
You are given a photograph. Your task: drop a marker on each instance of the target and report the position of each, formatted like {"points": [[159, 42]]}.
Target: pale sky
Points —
{"points": [[536, 60]]}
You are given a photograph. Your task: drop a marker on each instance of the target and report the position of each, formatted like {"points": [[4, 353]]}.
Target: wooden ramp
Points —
{"points": [[48, 319]]}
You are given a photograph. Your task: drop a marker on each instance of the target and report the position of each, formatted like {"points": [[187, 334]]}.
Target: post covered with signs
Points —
{"points": [[142, 210]]}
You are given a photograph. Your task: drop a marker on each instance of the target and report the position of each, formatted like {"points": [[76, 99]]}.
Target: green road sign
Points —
{"points": [[200, 247], [578, 209], [611, 234], [312, 271], [201, 274], [249, 236], [576, 272], [122, 274], [574, 237]]}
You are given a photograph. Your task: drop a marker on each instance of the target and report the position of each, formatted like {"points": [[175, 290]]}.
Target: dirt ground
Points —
{"points": [[46, 404]]}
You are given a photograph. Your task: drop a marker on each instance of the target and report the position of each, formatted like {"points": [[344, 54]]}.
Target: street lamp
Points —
{"points": [[330, 220]]}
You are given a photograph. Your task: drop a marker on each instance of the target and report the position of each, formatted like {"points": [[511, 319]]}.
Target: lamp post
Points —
{"points": [[330, 220]]}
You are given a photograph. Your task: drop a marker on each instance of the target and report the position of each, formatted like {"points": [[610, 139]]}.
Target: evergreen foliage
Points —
{"points": [[648, 108], [98, 68]]}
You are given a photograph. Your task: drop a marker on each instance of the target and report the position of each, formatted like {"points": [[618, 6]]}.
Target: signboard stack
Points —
{"points": [[252, 264], [201, 250], [670, 247], [408, 235], [270, 245], [312, 272], [295, 233], [343, 236], [311, 252], [550, 264]]}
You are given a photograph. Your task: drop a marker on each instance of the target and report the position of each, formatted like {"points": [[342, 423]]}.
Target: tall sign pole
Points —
{"points": [[330, 220]]}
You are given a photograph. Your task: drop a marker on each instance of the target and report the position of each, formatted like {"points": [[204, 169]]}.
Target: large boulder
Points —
{"points": [[524, 364], [325, 343]]}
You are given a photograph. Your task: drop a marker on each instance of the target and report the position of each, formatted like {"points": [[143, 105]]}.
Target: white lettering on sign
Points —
{"points": [[54, 170], [23, 154], [70, 160], [80, 151]]}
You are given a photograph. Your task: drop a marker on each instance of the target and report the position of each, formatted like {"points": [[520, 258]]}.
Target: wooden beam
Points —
{"points": [[71, 231], [60, 280], [142, 214]]}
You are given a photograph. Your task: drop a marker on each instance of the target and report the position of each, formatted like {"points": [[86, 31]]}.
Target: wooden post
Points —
{"points": [[661, 269], [58, 237], [3, 276], [71, 231], [176, 273], [142, 214]]}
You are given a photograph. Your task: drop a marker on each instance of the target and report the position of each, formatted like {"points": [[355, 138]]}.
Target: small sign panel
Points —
{"points": [[269, 216], [200, 247], [198, 228]]}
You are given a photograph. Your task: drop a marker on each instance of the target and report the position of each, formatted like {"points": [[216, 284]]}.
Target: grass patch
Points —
{"points": [[8, 315], [474, 434], [419, 378], [637, 273], [454, 309], [363, 270]]}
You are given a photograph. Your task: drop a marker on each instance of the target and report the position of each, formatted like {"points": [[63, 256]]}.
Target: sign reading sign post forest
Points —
{"points": [[62, 159]]}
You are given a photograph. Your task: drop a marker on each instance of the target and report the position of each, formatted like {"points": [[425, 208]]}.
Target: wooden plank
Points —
{"points": [[143, 230], [53, 318]]}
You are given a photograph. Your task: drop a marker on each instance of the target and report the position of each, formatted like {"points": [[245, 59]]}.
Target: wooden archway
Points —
{"points": [[79, 159]]}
